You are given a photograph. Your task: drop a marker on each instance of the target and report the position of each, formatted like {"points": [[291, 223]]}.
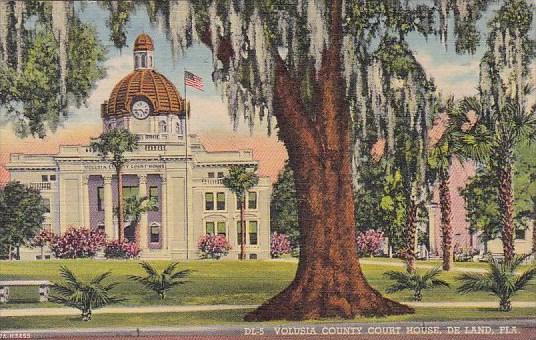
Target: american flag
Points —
{"points": [[192, 80]]}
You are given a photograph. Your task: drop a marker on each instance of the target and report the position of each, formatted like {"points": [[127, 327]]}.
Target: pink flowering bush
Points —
{"points": [[370, 243], [78, 242], [121, 250], [279, 245], [42, 239], [213, 246]]}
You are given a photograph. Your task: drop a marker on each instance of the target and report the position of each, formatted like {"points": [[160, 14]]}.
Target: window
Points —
{"points": [[100, 227], [252, 200], [209, 228], [155, 233], [209, 201], [520, 234], [210, 175], [238, 233], [178, 128], [252, 230], [100, 198], [221, 229], [44, 178], [220, 201], [163, 126], [130, 191], [53, 178], [46, 204], [153, 194], [150, 61], [143, 61], [220, 175]]}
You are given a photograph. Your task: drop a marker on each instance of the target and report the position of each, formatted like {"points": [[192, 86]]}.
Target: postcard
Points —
{"points": [[268, 169]]}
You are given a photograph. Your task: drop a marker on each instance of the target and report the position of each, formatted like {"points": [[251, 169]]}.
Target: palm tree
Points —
{"points": [[415, 281], [501, 280], [440, 159], [240, 180], [134, 208], [492, 142], [113, 144], [84, 296], [160, 283]]}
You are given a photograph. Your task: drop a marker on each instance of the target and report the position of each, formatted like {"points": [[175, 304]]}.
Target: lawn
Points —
{"points": [[235, 318], [212, 282]]}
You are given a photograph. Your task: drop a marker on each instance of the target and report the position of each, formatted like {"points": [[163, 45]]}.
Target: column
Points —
{"points": [[143, 218], [108, 207], [163, 189], [85, 200]]}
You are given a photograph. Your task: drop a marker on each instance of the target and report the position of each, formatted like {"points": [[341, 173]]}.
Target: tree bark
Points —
{"points": [[534, 235], [446, 217], [120, 229], [411, 226], [329, 281], [506, 206], [242, 230]]}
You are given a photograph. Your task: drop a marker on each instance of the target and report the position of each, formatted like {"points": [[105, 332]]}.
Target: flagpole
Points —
{"points": [[187, 186]]}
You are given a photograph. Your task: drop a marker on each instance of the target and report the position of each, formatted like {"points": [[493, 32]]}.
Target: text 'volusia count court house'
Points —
{"points": [[186, 180]]}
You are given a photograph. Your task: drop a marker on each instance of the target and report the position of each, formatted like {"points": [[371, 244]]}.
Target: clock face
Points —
{"points": [[141, 109]]}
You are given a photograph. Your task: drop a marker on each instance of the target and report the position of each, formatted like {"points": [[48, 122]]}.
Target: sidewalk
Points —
{"points": [[202, 308]]}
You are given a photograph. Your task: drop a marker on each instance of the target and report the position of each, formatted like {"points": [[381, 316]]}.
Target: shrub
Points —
{"points": [[161, 282], [502, 280], [369, 242], [279, 245], [121, 250], [44, 238], [213, 246], [83, 295], [78, 242], [415, 282]]}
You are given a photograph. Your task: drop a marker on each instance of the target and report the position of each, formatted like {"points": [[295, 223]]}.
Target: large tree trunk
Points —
{"points": [[409, 240], [446, 217], [329, 281], [242, 229], [506, 206], [120, 230]]}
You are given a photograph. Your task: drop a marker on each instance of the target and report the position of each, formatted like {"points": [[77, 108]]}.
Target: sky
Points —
{"points": [[453, 74]]}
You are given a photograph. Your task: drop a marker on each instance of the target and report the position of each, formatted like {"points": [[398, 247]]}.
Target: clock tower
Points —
{"points": [[145, 101]]}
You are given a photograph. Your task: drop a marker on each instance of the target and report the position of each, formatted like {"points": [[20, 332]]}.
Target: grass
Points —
{"points": [[212, 282], [235, 318]]}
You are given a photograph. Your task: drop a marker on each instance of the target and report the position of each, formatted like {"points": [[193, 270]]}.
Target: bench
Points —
{"points": [[43, 288]]}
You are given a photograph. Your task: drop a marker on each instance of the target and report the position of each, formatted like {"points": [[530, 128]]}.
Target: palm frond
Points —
{"points": [[149, 269], [524, 278], [439, 283], [473, 282], [429, 275], [100, 277], [170, 268]]}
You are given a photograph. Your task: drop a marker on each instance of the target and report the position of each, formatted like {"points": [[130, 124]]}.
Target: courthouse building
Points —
{"points": [[80, 189]]}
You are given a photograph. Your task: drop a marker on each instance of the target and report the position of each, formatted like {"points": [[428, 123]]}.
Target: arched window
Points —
{"points": [[150, 62], [178, 128], [143, 60], [155, 233], [163, 126]]}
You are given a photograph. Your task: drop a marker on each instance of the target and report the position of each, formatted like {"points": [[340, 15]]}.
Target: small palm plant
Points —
{"points": [[160, 283], [84, 296], [415, 281], [500, 280]]}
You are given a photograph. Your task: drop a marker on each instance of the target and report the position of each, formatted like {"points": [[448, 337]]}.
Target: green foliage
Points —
{"points": [[284, 206], [501, 280], [481, 204], [112, 145], [161, 282], [22, 213], [415, 282], [118, 20], [135, 206], [84, 296], [241, 178], [32, 98]]}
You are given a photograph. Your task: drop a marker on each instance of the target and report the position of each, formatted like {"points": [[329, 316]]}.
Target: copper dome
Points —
{"points": [[146, 83], [143, 43]]}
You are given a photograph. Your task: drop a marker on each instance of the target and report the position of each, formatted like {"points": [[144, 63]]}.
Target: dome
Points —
{"points": [[143, 43], [147, 83]]}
